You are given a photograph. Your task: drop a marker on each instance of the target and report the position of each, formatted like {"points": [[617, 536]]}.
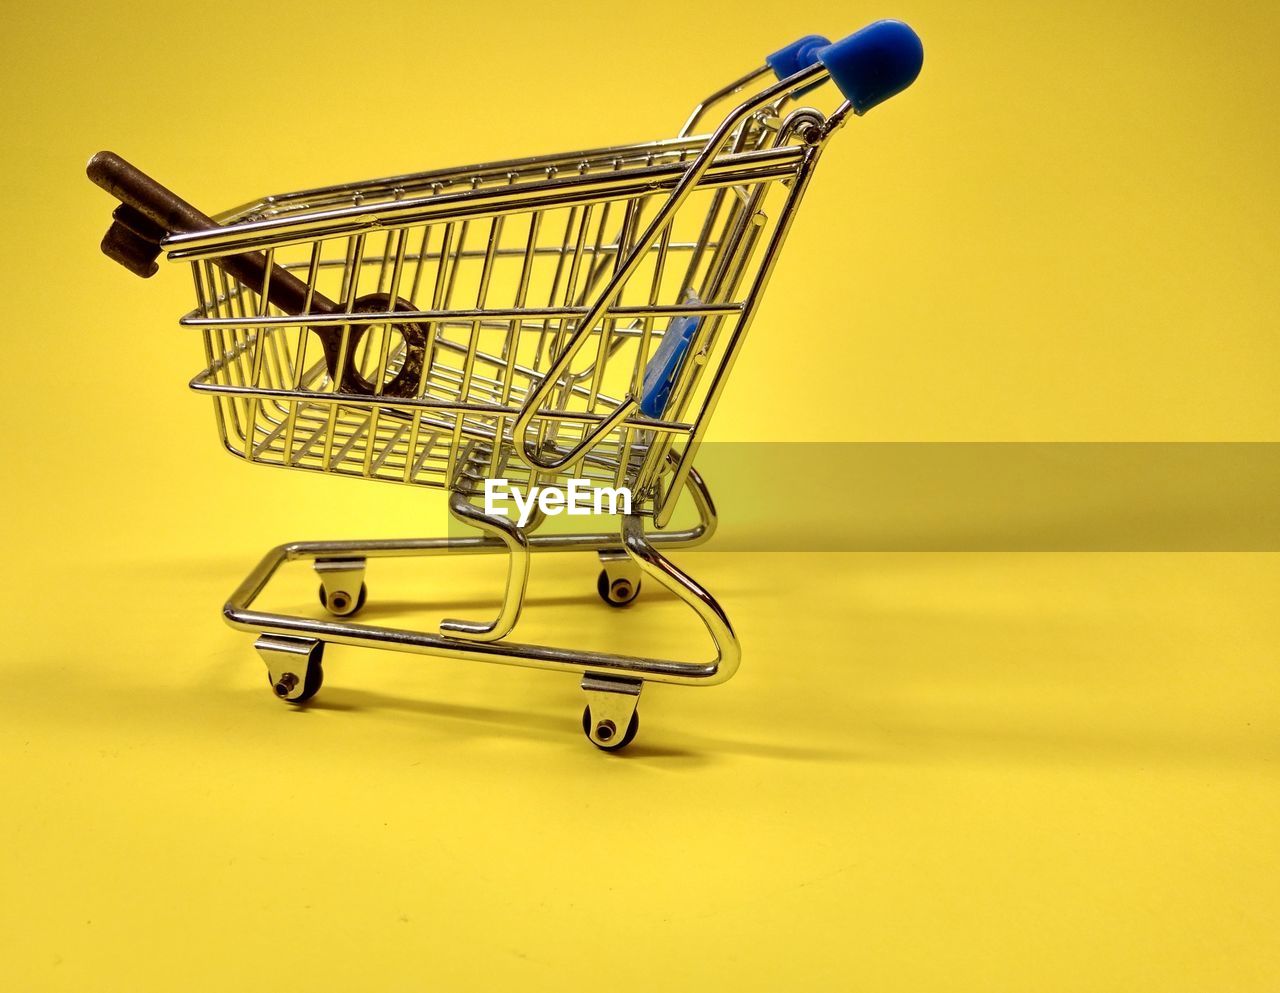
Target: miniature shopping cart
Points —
{"points": [[539, 321]]}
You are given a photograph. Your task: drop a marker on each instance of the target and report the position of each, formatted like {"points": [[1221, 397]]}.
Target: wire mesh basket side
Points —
{"points": [[491, 300]]}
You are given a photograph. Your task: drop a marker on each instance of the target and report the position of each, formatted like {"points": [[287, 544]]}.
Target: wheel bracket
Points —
{"points": [[612, 703], [293, 664], [341, 580]]}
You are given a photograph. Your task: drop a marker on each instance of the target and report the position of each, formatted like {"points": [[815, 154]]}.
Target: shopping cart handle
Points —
{"points": [[873, 64], [798, 55]]}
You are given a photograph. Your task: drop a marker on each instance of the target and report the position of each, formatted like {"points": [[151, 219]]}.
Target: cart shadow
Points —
{"points": [[504, 722]]}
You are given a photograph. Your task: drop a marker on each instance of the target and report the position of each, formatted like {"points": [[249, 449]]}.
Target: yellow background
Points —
{"points": [[934, 771]]}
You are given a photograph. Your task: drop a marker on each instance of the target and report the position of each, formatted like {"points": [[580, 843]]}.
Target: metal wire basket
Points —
{"points": [[539, 320]]}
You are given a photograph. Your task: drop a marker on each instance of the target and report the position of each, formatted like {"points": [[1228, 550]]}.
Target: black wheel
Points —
{"points": [[311, 684], [618, 594], [360, 599], [614, 744]]}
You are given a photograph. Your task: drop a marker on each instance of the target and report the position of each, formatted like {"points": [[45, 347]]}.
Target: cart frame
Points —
{"points": [[540, 413]]}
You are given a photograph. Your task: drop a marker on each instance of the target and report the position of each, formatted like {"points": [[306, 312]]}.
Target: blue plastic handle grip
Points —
{"points": [[800, 54], [873, 64]]}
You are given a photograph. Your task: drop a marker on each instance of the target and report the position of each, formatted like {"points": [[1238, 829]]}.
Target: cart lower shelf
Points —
{"points": [[293, 646]]}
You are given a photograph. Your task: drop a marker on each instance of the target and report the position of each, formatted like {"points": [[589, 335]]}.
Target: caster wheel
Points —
{"points": [[288, 682], [342, 606], [615, 742], [619, 593]]}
